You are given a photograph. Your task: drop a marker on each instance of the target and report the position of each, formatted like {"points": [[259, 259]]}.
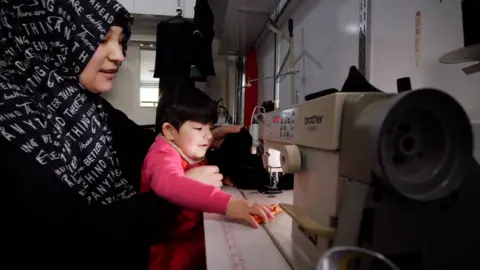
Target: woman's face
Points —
{"points": [[98, 75]]}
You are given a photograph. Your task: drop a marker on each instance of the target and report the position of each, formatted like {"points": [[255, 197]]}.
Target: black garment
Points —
{"points": [[202, 39], [69, 163], [173, 56], [355, 82], [181, 45], [47, 224], [203, 19], [471, 20], [236, 162]]}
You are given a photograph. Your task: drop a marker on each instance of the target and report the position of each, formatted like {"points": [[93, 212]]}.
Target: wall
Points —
{"points": [[222, 86], [326, 44], [393, 33], [324, 48]]}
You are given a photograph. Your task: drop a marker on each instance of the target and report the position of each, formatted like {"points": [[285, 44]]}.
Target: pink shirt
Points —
{"points": [[162, 171]]}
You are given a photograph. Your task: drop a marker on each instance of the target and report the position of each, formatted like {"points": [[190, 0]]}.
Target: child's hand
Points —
{"points": [[274, 209], [209, 175], [242, 210]]}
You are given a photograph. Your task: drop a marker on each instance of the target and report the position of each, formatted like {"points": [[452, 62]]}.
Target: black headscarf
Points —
{"points": [[43, 108]]}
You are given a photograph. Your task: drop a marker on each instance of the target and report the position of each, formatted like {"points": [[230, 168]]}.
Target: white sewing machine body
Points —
{"points": [[343, 193], [315, 128]]}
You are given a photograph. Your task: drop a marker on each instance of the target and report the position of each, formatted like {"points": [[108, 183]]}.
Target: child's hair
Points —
{"points": [[186, 103]]}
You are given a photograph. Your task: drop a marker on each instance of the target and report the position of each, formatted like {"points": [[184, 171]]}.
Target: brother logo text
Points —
{"points": [[313, 120]]}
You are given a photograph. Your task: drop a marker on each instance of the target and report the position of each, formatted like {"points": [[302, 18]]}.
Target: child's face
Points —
{"points": [[194, 139]]}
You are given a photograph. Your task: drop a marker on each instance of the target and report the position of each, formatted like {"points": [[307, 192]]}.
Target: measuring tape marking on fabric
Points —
{"points": [[236, 256]]}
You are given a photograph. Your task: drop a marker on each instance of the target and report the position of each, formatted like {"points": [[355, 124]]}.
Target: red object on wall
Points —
{"points": [[251, 93]]}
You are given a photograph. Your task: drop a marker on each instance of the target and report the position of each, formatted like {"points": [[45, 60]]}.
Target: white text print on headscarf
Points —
{"points": [[43, 109]]}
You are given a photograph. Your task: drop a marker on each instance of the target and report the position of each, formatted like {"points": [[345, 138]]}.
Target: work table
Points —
{"points": [[237, 246]]}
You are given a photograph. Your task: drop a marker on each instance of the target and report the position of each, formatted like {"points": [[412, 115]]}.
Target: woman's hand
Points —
{"points": [[227, 182], [209, 175], [242, 210], [220, 132]]}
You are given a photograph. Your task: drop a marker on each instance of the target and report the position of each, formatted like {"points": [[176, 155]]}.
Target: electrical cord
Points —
{"points": [[218, 101], [254, 114], [222, 110]]}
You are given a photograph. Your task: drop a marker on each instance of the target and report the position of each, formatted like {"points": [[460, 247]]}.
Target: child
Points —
{"points": [[186, 118]]}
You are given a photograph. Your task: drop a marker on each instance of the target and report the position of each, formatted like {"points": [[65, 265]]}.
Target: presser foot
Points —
{"points": [[271, 190]]}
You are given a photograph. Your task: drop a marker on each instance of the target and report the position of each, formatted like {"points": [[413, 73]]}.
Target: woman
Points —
{"points": [[70, 163]]}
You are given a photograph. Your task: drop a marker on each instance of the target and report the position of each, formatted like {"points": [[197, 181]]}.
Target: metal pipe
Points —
{"points": [[253, 11], [284, 62], [274, 76], [289, 56], [227, 88], [275, 66], [274, 17], [232, 86], [240, 91], [277, 31], [294, 99], [235, 99]]}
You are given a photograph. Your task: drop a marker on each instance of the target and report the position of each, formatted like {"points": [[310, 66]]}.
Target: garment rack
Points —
{"points": [[179, 14], [179, 9]]}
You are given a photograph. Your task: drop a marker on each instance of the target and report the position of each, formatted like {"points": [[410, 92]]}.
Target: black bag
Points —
{"points": [[235, 161]]}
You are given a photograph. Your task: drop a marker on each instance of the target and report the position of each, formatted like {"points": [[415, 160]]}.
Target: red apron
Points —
{"points": [[186, 250]]}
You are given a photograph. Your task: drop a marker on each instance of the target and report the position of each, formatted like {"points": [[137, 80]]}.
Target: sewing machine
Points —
{"points": [[270, 157], [387, 172]]}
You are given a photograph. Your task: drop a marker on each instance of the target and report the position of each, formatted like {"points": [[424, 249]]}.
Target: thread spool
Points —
{"points": [[291, 159]]}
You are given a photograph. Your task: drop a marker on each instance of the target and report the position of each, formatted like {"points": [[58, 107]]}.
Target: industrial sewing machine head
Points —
{"points": [[382, 171], [270, 157]]}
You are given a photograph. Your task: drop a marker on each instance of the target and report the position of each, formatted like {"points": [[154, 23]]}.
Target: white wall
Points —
{"points": [[324, 49], [393, 56], [326, 46]]}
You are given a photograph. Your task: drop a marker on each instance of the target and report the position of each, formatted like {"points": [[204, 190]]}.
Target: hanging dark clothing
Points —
{"points": [[173, 56], [202, 39], [203, 19], [181, 45]]}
